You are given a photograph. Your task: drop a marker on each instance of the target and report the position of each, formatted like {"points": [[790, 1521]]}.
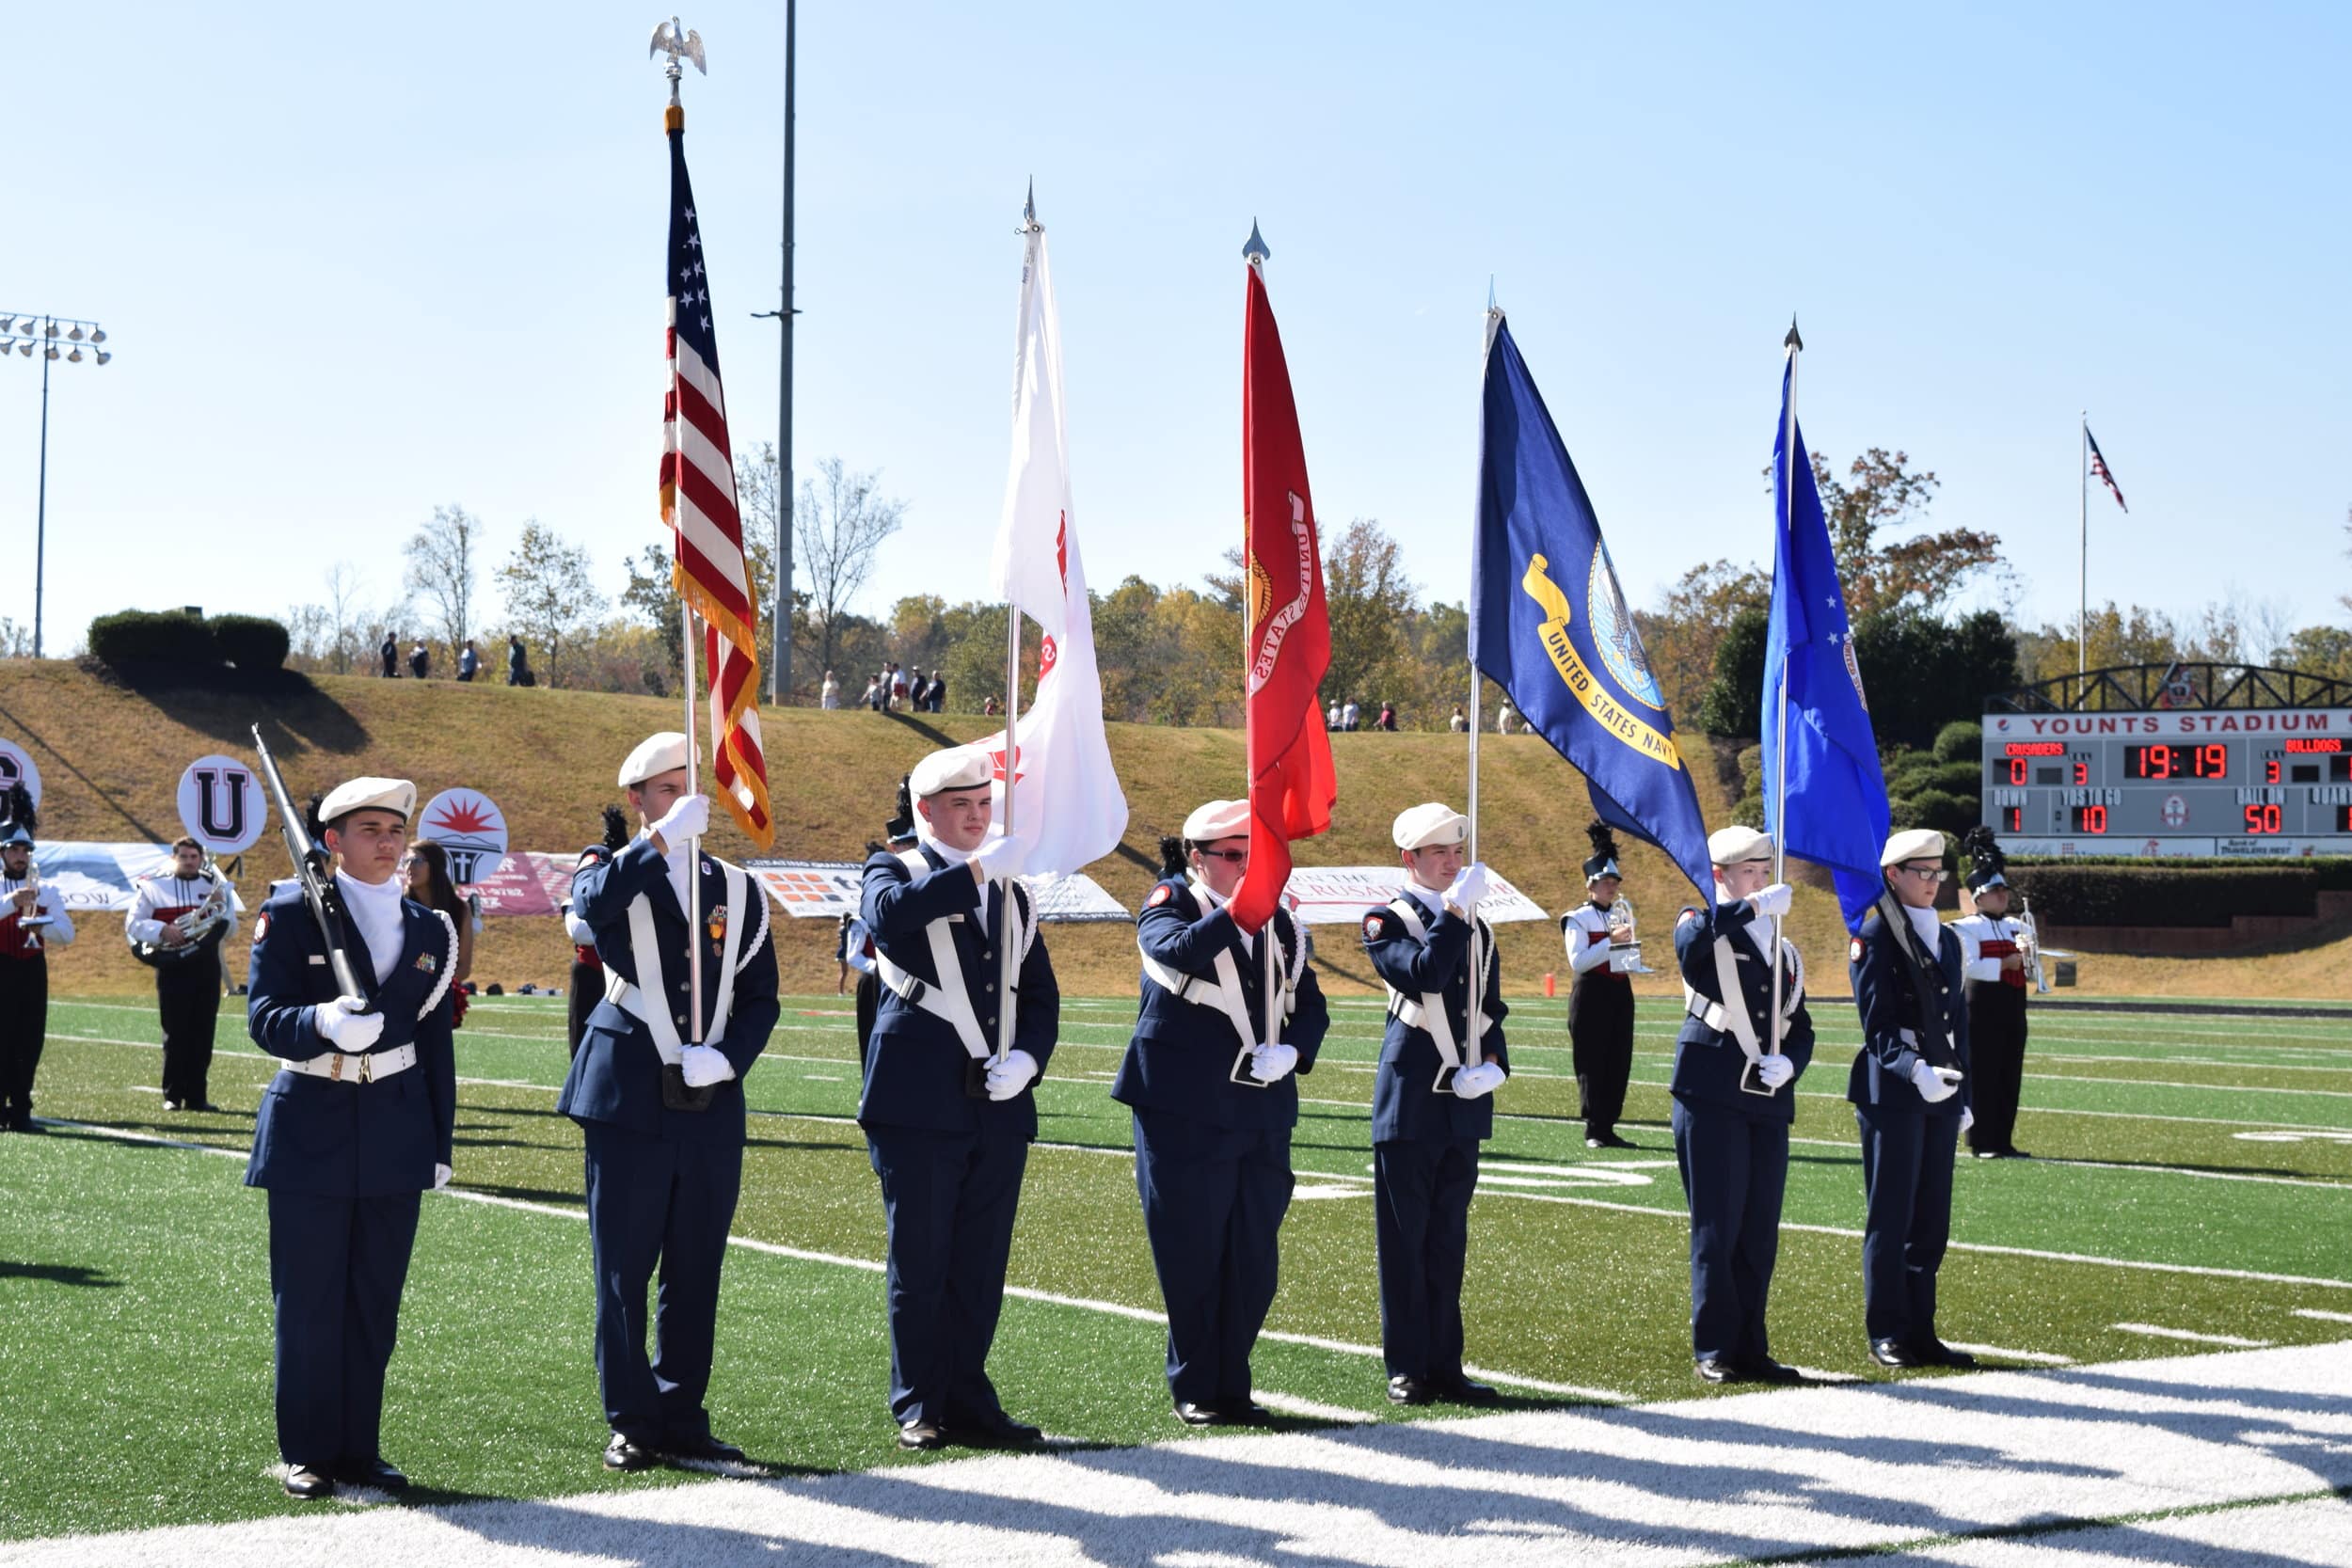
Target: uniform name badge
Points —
{"points": [[1241, 1073], [1443, 1083]]}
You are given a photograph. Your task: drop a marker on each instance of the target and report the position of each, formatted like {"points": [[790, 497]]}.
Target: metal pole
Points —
{"points": [[2082, 576], [1794, 345], [780, 666], [1005, 972], [694, 850], [1474, 1052], [41, 519]]}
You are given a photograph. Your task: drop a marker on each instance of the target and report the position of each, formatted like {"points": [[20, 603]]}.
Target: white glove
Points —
{"points": [[1775, 900], [1271, 1064], [704, 1065], [440, 1176], [999, 857], [689, 816], [1931, 1084], [342, 1025], [1011, 1075], [1468, 887], [1968, 1119], [1472, 1082], [581, 933], [1775, 1070]]}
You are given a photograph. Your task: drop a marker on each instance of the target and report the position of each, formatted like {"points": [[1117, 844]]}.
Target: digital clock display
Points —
{"points": [[2207, 761]]}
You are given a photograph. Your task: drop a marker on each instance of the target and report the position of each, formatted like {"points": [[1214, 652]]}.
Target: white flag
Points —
{"points": [[1068, 808]]}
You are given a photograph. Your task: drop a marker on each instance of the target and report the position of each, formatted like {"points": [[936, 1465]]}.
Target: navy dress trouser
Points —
{"points": [[336, 1269], [1907, 1189], [1214, 1198], [668, 1201], [950, 1199], [1735, 1173], [1421, 1198]]}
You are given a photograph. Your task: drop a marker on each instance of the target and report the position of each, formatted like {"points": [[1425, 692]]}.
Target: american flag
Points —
{"points": [[2099, 468], [698, 502]]}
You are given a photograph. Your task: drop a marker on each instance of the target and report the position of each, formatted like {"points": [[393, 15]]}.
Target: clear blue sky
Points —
{"points": [[360, 262]]}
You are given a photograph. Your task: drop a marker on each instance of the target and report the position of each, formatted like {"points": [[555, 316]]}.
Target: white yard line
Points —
{"points": [[1291, 1405], [2038, 1357], [2316, 1314], [2155, 1331]]}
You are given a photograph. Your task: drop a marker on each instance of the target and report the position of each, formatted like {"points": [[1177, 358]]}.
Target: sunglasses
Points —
{"points": [[1232, 857]]}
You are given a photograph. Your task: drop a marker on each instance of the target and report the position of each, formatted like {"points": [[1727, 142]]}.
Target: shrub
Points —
{"points": [[251, 642], [1935, 808], [1960, 741], [152, 636], [1963, 778], [2167, 892]]}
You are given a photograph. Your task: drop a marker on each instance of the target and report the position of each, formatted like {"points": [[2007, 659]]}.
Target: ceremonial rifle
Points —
{"points": [[313, 868]]}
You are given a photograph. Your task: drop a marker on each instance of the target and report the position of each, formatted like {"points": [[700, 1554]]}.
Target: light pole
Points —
{"points": [[780, 667], [56, 338]]}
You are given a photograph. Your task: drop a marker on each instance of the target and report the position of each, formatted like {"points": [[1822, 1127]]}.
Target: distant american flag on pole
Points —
{"points": [[698, 502], [2099, 468]]}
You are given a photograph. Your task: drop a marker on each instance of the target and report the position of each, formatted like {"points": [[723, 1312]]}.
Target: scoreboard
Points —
{"points": [[2233, 782]]}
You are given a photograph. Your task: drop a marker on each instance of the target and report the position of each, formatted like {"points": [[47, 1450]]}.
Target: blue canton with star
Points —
{"points": [[687, 285]]}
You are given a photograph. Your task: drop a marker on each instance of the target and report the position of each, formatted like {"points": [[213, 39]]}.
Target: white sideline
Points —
{"points": [[1994, 1470]]}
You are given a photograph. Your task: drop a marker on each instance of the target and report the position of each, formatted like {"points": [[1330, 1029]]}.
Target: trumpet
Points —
{"points": [[1625, 947], [207, 917], [33, 921], [2029, 942]]}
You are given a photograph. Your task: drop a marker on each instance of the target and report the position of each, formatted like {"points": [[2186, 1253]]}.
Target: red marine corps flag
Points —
{"points": [[1286, 628], [698, 502]]}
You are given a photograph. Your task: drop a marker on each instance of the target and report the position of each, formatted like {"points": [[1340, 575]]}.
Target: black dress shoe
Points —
{"points": [[1935, 1353], [1766, 1370], [1714, 1368], [1894, 1352], [1461, 1390], [704, 1447], [1000, 1430], [922, 1435], [378, 1472], [1412, 1390], [1202, 1415], [623, 1455], [304, 1482]]}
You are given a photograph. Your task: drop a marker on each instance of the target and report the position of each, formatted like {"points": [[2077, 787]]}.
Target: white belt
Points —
{"points": [[363, 1068]]}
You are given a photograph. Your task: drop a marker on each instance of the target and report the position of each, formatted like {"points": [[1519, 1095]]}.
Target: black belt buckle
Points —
{"points": [[1241, 1073], [677, 1096], [1751, 1081], [976, 1078], [1444, 1083]]}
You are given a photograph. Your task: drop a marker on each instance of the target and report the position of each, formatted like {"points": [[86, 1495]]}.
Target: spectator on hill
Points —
{"points": [[1460, 725], [1351, 716], [517, 665], [873, 694], [1506, 719], [991, 709], [829, 695], [898, 687], [389, 651], [419, 659], [936, 697], [1331, 719], [1388, 718], [468, 661]]}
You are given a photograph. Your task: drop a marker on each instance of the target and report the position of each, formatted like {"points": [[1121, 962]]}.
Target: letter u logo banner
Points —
{"points": [[221, 807]]}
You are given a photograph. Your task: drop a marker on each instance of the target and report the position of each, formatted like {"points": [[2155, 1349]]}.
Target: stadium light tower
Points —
{"points": [[56, 338]]}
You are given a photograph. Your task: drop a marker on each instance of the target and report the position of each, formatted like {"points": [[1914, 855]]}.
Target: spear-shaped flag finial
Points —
{"points": [[1792, 341], [1255, 250], [1028, 209]]}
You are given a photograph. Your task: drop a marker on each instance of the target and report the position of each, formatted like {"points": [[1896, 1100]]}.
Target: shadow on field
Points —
{"points": [[225, 702], [59, 1274]]}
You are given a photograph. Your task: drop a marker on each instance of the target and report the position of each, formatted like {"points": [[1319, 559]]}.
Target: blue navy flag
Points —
{"points": [[1549, 625], [1834, 809]]}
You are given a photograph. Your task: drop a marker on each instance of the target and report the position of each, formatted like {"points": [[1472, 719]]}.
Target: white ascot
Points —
{"points": [[374, 908], [1930, 928]]}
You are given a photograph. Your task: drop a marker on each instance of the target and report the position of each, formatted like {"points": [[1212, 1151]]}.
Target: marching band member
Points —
{"points": [[32, 917], [1214, 1105], [163, 910], [357, 1126], [662, 1118], [1733, 1104], [947, 1125], [1909, 1091], [1600, 999], [1993, 956], [1429, 1105]]}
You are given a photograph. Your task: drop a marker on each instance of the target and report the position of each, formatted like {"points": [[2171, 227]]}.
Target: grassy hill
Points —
{"points": [[111, 755]]}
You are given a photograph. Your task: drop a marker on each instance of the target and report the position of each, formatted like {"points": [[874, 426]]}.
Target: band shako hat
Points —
{"points": [[21, 820], [1603, 862], [1987, 864]]}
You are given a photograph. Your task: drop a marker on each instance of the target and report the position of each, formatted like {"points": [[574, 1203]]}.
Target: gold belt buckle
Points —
{"points": [[367, 1068], [335, 1069]]}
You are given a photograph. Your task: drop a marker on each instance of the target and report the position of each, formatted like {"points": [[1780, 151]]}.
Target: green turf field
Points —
{"points": [[2194, 1177]]}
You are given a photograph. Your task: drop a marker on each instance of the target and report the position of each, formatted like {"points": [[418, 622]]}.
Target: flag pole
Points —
{"points": [[1475, 1055], [1255, 252], [1794, 345], [667, 38], [2082, 569], [1030, 230]]}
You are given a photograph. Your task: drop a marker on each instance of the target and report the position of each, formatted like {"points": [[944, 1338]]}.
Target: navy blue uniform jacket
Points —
{"points": [[1709, 1061], [616, 1077], [915, 1066], [340, 1140], [1182, 1058], [1883, 992], [1403, 1105]]}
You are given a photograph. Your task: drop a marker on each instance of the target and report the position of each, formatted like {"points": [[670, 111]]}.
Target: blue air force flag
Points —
{"points": [[1549, 625], [1833, 810]]}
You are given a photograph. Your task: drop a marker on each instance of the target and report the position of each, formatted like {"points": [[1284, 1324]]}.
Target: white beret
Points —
{"points": [[1731, 846], [957, 767], [1218, 820], [392, 795], [1912, 844], [1430, 824], [665, 753]]}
